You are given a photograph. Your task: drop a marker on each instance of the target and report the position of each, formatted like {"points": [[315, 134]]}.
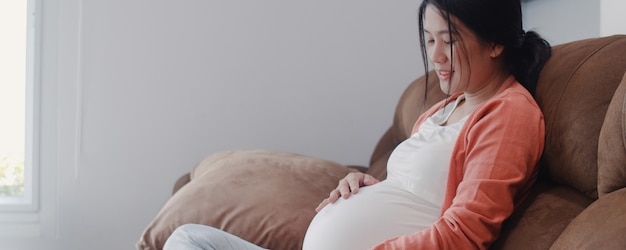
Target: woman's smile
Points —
{"points": [[444, 75]]}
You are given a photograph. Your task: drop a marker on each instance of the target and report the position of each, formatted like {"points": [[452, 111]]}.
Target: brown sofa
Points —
{"points": [[579, 201]]}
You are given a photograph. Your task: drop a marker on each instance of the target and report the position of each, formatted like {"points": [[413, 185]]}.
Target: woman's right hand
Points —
{"points": [[347, 186]]}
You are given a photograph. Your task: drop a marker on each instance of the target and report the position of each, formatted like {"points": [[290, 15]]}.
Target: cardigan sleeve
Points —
{"points": [[492, 167]]}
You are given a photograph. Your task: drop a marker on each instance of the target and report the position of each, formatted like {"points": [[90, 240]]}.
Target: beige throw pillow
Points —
{"points": [[265, 197]]}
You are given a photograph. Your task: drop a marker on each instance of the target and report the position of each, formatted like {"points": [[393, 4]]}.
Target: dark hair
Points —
{"points": [[500, 22]]}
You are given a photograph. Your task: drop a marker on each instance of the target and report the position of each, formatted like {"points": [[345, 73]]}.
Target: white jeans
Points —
{"points": [[201, 237]]}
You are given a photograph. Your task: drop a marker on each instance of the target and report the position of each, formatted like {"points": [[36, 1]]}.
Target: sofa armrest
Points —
{"points": [[601, 226], [182, 181]]}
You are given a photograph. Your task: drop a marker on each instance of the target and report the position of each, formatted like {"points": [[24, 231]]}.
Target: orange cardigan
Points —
{"points": [[491, 171]]}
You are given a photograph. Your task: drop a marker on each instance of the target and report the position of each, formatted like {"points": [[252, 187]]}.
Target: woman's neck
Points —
{"points": [[474, 98]]}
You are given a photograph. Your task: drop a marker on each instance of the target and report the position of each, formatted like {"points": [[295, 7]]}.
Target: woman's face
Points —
{"points": [[453, 70]]}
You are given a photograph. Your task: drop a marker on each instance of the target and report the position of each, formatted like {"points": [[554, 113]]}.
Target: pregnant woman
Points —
{"points": [[470, 160]]}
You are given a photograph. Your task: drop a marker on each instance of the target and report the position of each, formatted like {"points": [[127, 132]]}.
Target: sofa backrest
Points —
{"points": [[574, 90], [612, 144]]}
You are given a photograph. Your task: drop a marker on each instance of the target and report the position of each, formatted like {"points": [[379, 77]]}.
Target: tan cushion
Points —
{"points": [[574, 91], [601, 226], [612, 144], [265, 197], [539, 221]]}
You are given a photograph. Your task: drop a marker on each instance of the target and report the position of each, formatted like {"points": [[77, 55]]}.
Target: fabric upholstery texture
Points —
{"points": [[542, 218], [600, 226], [575, 90], [577, 203], [612, 148]]}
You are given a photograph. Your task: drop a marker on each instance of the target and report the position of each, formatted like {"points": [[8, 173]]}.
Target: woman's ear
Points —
{"points": [[496, 50]]}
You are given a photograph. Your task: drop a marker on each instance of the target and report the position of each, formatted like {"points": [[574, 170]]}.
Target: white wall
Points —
{"points": [[612, 19], [138, 91], [560, 21]]}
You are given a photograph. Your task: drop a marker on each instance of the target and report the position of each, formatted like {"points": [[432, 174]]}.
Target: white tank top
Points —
{"points": [[422, 162], [409, 199]]}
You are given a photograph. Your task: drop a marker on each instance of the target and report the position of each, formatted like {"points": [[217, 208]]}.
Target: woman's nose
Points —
{"points": [[438, 54]]}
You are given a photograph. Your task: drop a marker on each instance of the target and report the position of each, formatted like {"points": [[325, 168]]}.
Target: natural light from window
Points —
{"points": [[13, 28]]}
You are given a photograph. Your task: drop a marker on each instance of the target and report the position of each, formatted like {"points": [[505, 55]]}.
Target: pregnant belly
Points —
{"points": [[376, 213]]}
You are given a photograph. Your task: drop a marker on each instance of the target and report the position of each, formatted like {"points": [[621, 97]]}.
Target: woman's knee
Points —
{"points": [[186, 237]]}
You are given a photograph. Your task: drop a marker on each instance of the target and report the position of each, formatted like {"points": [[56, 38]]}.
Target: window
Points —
{"points": [[18, 107]]}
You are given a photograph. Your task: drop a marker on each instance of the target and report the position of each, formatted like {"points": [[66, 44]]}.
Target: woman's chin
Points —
{"points": [[444, 86]]}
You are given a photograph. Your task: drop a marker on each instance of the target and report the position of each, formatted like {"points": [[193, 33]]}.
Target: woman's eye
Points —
{"points": [[449, 42], [430, 41]]}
